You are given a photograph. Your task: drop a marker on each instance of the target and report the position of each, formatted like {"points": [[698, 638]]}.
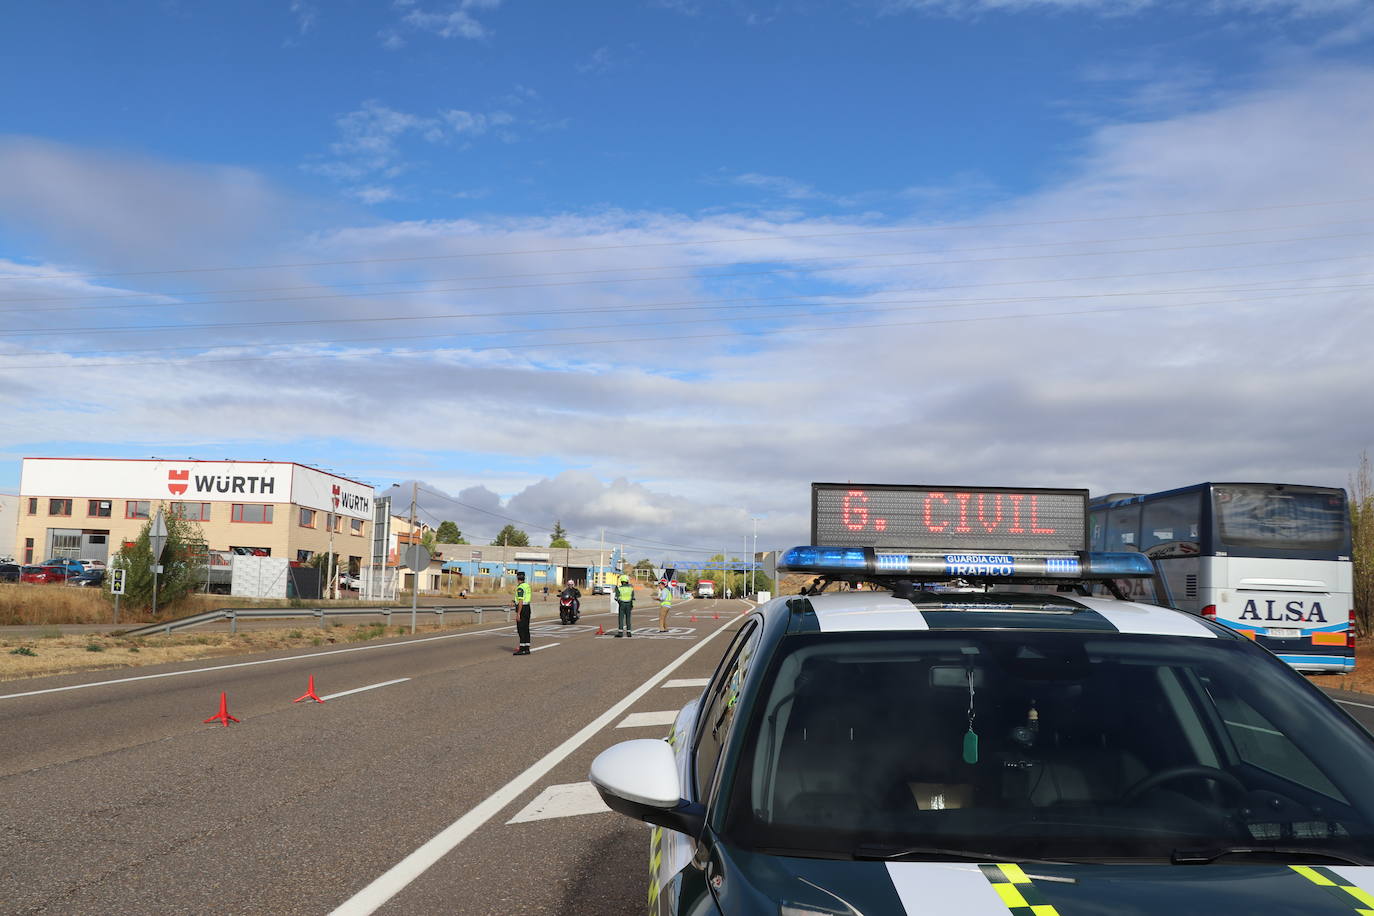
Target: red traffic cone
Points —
{"points": [[600, 630], [694, 618], [223, 714], [715, 615], [310, 693]]}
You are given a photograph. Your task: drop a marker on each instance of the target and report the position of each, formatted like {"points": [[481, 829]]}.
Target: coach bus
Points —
{"points": [[1269, 560]]}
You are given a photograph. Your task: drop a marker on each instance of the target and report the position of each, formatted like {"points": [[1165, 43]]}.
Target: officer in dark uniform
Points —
{"points": [[522, 614], [624, 600]]}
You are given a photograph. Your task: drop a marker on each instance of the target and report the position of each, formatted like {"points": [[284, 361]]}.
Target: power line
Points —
{"points": [[863, 306], [721, 241], [535, 274], [29, 332]]}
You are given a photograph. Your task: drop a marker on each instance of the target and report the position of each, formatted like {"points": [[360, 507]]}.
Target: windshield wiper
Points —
{"points": [[1205, 856], [887, 852]]}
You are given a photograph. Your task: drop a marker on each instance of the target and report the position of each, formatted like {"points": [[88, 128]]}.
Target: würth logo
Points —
{"points": [[177, 488]]}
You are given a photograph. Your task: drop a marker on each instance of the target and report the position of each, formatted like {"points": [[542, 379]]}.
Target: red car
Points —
{"points": [[41, 575]]}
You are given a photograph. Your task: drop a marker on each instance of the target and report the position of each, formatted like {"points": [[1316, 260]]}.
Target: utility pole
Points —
{"points": [[415, 591], [601, 560], [753, 561]]}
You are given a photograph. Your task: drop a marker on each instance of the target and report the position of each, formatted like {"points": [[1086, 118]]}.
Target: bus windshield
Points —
{"points": [[1280, 518]]}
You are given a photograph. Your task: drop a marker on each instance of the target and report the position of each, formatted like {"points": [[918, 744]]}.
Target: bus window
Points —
{"points": [[1123, 526], [1170, 527], [1280, 518], [1098, 537]]}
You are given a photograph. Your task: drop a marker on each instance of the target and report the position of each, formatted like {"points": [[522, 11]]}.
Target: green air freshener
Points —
{"points": [[970, 746]]}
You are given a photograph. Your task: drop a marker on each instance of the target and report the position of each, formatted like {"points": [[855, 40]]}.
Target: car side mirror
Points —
{"points": [[639, 779]]}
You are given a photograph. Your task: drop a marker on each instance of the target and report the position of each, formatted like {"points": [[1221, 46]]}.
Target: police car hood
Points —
{"points": [[756, 883]]}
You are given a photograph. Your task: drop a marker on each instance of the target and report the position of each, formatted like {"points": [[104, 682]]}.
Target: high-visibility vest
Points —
{"points": [[624, 593], [522, 593]]}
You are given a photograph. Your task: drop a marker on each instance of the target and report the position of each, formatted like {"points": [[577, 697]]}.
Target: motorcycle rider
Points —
{"points": [[571, 593]]}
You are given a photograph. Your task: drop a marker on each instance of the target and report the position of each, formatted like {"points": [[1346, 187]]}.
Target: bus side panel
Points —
{"points": [[1184, 575]]}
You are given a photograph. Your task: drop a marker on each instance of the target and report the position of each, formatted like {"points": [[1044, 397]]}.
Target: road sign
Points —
{"points": [[416, 558], [477, 554], [117, 581], [157, 536]]}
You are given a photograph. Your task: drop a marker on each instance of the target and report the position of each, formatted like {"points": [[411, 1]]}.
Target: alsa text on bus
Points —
{"points": [[1291, 611]]}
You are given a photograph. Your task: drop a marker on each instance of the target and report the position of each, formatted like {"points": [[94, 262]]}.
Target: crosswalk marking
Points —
{"points": [[640, 719], [562, 801], [688, 682]]}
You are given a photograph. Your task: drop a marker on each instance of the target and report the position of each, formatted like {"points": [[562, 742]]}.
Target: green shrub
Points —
{"points": [[23, 650]]}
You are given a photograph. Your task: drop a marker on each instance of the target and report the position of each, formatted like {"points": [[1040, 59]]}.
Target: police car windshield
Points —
{"points": [[1044, 744]]}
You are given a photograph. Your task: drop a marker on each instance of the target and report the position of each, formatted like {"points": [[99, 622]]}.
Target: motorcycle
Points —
{"points": [[569, 609]]}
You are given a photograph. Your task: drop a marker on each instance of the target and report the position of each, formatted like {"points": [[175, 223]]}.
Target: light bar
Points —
{"points": [[846, 562]]}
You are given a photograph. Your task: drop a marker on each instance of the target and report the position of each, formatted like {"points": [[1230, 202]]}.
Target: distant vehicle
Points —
{"points": [[91, 563], [350, 582], [9, 572], [602, 588], [43, 575], [91, 578], [706, 589]]}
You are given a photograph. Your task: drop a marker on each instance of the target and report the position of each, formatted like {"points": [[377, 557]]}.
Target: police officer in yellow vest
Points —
{"points": [[624, 600], [522, 614]]}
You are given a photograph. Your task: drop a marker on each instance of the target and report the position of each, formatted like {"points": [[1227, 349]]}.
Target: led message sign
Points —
{"points": [[949, 519]]}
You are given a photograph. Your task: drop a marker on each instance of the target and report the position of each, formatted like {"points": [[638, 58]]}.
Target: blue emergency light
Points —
{"points": [[869, 562]]}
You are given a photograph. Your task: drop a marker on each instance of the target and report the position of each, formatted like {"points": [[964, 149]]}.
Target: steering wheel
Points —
{"points": [[1156, 779]]}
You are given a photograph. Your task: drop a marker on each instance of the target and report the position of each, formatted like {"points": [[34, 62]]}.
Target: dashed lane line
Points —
{"points": [[344, 693], [688, 682], [642, 719], [562, 801], [395, 879]]}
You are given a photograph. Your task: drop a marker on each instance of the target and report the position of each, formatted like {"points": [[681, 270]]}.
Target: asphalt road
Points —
{"points": [[460, 789], [116, 797]]}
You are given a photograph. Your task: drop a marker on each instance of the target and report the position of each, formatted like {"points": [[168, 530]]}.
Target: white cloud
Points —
{"points": [[451, 20], [1254, 371]]}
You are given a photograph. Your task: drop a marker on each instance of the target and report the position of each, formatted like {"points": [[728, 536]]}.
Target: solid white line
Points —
{"points": [[547, 645], [265, 661], [412, 866], [1348, 703], [333, 696]]}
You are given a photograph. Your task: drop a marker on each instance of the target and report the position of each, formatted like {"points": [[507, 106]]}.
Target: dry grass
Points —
{"points": [[23, 604], [1361, 679], [53, 653]]}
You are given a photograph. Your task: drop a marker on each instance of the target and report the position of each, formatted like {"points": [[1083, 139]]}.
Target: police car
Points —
{"points": [[982, 734]]}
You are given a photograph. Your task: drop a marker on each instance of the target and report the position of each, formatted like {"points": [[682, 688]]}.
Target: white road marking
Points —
{"points": [[562, 801], [689, 682], [265, 661], [344, 693], [547, 645], [642, 719], [418, 862], [1348, 703]]}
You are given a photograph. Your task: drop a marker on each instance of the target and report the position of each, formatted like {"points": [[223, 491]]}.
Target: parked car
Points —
{"points": [[70, 567], [350, 582], [43, 575], [91, 578], [9, 572], [91, 563]]}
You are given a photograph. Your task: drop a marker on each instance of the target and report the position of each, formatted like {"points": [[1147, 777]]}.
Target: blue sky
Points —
{"points": [[635, 164]]}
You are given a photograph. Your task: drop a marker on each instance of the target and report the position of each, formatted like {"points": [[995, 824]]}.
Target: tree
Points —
{"points": [[1362, 537], [428, 540], [511, 536], [644, 569], [179, 576], [559, 537], [449, 534]]}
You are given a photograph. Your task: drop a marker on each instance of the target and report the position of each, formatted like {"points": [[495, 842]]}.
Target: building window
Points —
{"points": [[303, 556], [307, 518], [356, 524], [252, 512], [484, 570], [136, 508], [28, 549], [33, 505], [192, 512], [98, 508], [59, 507]]}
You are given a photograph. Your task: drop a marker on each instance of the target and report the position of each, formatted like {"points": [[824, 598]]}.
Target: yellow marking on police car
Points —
{"points": [[1017, 890], [655, 857], [1347, 892]]}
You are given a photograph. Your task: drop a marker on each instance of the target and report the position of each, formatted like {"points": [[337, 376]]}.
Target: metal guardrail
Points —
{"points": [[233, 615]]}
